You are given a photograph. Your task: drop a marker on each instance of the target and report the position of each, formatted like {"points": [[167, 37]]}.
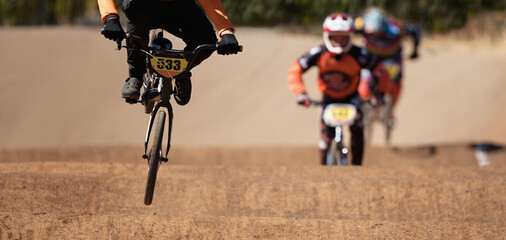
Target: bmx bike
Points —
{"points": [[380, 111], [337, 116], [164, 66]]}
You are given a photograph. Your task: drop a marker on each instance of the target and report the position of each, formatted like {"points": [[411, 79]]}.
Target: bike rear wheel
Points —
{"points": [[154, 158], [368, 120], [387, 117]]}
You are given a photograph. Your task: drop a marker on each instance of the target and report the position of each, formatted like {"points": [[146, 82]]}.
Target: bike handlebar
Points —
{"points": [[315, 103], [145, 47], [193, 53]]}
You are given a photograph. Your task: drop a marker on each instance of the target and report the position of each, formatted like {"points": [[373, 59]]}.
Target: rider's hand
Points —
{"points": [[414, 55], [303, 100], [112, 29], [377, 100], [228, 44]]}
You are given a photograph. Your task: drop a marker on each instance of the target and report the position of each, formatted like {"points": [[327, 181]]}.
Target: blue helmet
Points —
{"points": [[375, 21]]}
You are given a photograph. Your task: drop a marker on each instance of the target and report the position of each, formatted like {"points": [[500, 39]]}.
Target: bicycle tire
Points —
{"points": [[154, 159], [330, 156], [148, 108], [334, 155], [341, 157], [386, 118], [368, 121]]}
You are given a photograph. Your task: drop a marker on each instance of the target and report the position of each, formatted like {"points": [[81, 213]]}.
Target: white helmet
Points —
{"points": [[341, 24]]}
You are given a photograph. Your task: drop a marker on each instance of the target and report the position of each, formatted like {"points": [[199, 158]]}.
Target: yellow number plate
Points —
{"points": [[342, 114], [169, 66], [393, 68], [339, 114]]}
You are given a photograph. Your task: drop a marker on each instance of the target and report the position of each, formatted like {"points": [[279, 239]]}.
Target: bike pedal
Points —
{"points": [[131, 101], [145, 156], [164, 159]]}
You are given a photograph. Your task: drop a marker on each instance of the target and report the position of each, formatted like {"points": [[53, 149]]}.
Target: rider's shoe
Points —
{"points": [[132, 88], [183, 89]]}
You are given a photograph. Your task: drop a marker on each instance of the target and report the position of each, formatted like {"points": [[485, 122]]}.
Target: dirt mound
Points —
{"points": [[241, 193]]}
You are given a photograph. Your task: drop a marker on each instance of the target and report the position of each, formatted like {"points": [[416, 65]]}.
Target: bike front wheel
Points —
{"points": [[387, 117], [337, 154], [154, 158]]}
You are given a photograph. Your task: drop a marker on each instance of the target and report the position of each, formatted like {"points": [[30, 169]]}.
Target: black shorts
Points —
{"points": [[182, 18]]}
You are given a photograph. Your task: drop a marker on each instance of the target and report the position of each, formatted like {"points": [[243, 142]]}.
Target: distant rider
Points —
{"points": [[339, 64], [182, 18], [383, 37]]}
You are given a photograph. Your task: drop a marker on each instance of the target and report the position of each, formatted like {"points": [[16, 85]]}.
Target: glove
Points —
{"points": [[414, 55], [228, 45], [112, 29], [378, 99], [304, 100]]}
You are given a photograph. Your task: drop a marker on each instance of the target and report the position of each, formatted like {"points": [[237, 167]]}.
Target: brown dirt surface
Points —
{"points": [[243, 163]]}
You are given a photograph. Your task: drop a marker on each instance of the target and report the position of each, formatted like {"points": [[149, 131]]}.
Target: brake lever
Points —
{"points": [[118, 41]]}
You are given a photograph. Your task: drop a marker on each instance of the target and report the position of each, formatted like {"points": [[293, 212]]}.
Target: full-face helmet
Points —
{"points": [[337, 33]]}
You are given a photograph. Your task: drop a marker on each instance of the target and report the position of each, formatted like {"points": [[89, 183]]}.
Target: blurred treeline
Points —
{"points": [[45, 12], [432, 15]]}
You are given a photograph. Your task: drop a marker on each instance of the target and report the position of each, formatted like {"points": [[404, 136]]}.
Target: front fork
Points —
{"points": [[166, 90], [340, 148]]}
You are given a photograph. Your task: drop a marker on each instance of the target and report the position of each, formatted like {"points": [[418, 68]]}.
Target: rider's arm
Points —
{"points": [[415, 32], [214, 9], [107, 7], [295, 79], [380, 77], [300, 66]]}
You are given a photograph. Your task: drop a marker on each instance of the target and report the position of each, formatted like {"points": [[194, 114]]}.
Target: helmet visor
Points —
{"points": [[338, 39]]}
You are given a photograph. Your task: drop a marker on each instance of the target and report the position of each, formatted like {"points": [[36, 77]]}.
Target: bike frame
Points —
{"points": [[378, 113], [339, 147]]}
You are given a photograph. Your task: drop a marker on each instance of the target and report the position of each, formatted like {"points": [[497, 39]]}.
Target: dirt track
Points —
{"points": [[243, 163]]}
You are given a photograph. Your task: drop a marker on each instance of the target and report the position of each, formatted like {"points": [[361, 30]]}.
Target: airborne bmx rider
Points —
{"points": [[182, 18]]}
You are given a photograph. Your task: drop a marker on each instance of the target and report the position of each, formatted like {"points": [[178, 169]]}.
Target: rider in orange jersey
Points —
{"points": [[182, 18], [383, 37], [340, 64]]}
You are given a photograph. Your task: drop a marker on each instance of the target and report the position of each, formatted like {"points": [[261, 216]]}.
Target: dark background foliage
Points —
{"points": [[432, 15]]}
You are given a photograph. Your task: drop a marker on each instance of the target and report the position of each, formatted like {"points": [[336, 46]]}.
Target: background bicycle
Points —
{"points": [[337, 116]]}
